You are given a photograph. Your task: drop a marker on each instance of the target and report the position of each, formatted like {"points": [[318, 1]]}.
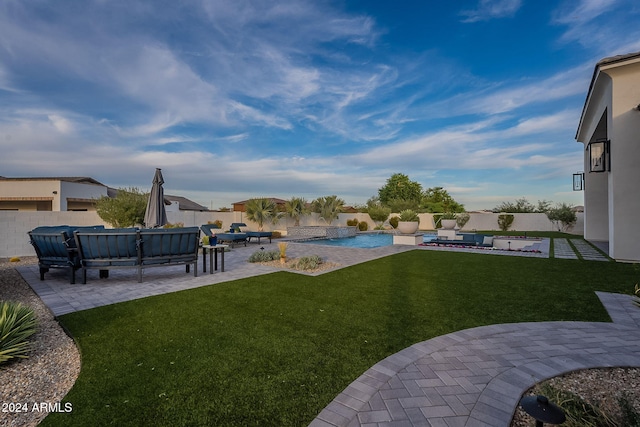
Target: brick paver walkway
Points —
{"points": [[476, 377]]}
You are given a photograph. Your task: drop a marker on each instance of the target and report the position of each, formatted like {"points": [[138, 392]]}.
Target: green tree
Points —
{"points": [[329, 207], [295, 208], [377, 212], [400, 190], [562, 216], [261, 210], [521, 205], [437, 199], [125, 210], [543, 206]]}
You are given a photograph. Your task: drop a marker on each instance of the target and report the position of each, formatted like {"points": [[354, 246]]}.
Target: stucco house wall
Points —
{"points": [[612, 198], [49, 194]]}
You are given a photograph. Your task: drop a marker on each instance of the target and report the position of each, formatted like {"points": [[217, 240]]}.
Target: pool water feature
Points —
{"points": [[364, 240]]}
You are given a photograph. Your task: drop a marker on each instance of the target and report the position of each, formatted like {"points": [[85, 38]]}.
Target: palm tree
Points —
{"points": [[328, 207], [295, 208], [262, 210]]}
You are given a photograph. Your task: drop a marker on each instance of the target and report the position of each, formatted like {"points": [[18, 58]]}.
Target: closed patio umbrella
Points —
{"points": [[155, 215]]}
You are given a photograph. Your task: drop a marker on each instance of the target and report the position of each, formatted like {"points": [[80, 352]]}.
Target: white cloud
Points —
{"points": [[602, 26], [512, 96], [491, 9], [563, 120]]}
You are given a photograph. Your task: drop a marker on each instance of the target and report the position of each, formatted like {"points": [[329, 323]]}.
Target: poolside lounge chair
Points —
{"points": [[251, 234], [258, 235], [234, 235], [210, 230]]}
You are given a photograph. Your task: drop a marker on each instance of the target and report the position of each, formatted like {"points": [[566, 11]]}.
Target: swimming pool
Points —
{"points": [[365, 240]]}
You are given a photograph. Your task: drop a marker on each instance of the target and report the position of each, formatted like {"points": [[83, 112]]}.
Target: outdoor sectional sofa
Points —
{"points": [[56, 247], [137, 248]]}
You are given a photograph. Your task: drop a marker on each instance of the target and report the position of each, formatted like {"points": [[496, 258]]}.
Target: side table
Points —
{"points": [[213, 257]]}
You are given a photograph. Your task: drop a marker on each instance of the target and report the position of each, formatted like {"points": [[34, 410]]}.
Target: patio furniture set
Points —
{"points": [[84, 248]]}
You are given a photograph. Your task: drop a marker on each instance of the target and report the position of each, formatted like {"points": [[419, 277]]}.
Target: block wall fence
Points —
{"points": [[14, 225]]}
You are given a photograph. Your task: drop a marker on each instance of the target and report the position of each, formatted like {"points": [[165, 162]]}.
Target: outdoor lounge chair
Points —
{"points": [[210, 230], [468, 239], [258, 235], [234, 235]]}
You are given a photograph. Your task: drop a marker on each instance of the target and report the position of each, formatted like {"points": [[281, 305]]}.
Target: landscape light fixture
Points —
{"points": [[599, 155], [542, 410]]}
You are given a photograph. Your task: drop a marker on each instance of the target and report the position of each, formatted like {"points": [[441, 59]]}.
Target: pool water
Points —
{"points": [[367, 240]]}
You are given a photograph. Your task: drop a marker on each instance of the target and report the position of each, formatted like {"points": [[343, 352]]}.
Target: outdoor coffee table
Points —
{"points": [[213, 257]]}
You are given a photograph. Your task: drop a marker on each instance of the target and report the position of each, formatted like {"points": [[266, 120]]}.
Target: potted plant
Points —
{"points": [[448, 220], [409, 222]]}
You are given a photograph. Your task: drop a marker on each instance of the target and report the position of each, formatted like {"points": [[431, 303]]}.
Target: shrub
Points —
{"points": [[276, 235], [562, 216], [264, 256], [393, 221], [462, 218], [176, 225], [578, 411], [363, 226], [505, 221], [352, 222], [378, 214], [308, 262], [408, 215], [217, 223], [125, 210], [17, 324]]}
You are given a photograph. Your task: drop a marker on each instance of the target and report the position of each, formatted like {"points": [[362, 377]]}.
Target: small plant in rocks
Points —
{"points": [[308, 262], [17, 324], [264, 256]]}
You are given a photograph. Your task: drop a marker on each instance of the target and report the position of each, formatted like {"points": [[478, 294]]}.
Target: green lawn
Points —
{"points": [[276, 349]]}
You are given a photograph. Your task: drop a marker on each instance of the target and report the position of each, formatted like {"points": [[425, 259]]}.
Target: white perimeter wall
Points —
{"points": [[14, 225]]}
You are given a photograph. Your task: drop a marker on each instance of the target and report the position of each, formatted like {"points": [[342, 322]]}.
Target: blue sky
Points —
{"points": [[239, 99]]}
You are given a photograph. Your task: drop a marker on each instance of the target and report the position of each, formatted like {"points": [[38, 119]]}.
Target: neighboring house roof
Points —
{"points": [[185, 204], [77, 179], [603, 62]]}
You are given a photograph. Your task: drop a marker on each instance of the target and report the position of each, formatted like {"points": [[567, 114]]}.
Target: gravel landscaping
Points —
{"points": [[53, 364]]}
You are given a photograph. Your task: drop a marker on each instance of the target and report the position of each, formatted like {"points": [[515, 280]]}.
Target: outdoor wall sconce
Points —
{"points": [[542, 410], [599, 156], [578, 180]]}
